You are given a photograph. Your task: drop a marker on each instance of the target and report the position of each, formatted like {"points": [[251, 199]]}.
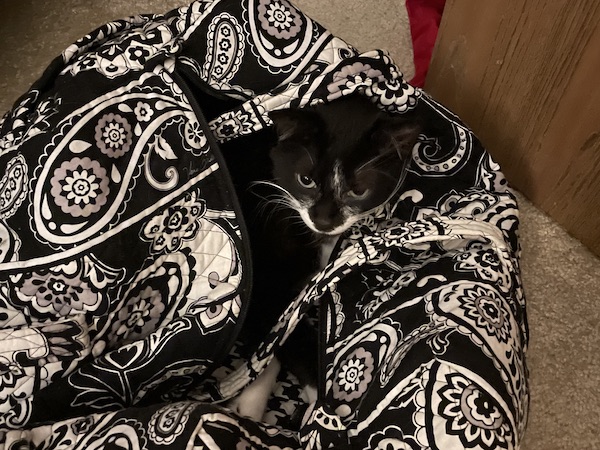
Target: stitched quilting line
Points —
{"points": [[19, 335], [218, 253], [26, 334], [15, 316], [14, 336]]}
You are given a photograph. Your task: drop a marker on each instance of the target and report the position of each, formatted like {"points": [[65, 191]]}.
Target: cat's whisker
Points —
{"points": [[287, 199], [380, 160], [266, 206], [270, 184], [315, 239], [281, 203], [389, 175], [312, 161], [271, 211], [273, 203]]}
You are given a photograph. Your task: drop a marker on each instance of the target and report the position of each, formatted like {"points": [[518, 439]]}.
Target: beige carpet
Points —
{"points": [[562, 279]]}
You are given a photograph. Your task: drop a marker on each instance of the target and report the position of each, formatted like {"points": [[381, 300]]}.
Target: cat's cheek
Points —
{"points": [[381, 195], [306, 202], [357, 207]]}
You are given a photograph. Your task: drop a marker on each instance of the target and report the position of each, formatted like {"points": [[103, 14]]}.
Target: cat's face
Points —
{"points": [[339, 161]]}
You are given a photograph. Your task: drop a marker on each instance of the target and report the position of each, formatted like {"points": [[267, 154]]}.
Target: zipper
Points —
{"points": [[322, 345], [245, 287]]}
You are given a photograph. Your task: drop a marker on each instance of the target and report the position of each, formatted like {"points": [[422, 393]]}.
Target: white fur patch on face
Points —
{"points": [[337, 180], [338, 185], [349, 219], [305, 216]]}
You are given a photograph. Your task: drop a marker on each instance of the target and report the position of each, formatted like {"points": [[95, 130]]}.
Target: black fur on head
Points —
{"points": [[339, 160]]}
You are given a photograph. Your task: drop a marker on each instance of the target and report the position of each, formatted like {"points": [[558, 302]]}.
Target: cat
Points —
{"points": [[329, 166]]}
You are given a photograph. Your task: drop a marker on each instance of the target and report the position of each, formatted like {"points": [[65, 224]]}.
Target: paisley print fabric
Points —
{"points": [[124, 263]]}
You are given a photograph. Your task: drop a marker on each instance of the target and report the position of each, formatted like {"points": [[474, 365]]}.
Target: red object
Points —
{"points": [[424, 17]]}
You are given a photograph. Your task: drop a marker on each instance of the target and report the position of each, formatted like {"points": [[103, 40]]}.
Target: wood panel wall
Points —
{"points": [[525, 76]]}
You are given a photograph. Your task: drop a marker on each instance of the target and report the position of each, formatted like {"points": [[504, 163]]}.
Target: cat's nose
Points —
{"points": [[324, 216], [323, 223]]}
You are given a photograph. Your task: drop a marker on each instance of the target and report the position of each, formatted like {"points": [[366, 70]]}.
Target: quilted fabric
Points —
{"points": [[125, 270]]}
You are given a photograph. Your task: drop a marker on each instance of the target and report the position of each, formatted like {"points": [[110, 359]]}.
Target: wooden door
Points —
{"points": [[525, 76]]}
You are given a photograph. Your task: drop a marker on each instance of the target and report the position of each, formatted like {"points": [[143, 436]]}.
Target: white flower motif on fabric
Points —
{"points": [[59, 291], [80, 187], [11, 374], [143, 112], [139, 317], [193, 135], [113, 133], [392, 438], [279, 19], [486, 308], [232, 124], [139, 53], [176, 224], [354, 375], [473, 415], [394, 94], [350, 76]]}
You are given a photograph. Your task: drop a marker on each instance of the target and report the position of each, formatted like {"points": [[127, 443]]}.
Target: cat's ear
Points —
{"points": [[294, 123], [397, 134]]}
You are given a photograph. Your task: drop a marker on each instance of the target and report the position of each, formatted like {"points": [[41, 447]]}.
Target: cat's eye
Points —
{"points": [[305, 181], [359, 194]]}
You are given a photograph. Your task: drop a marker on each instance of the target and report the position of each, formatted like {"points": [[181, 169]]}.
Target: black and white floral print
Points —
{"points": [[113, 132], [169, 422], [392, 438], [143, 112], [13, 186], [139, 316], [124, 266], [80, 187], [349, 77], [139, 41], [473, 415], [486, 309], [64, 290], [176, 224], [11, 374], [279, 18], [194, 138], [28, 119], [354, 375]]}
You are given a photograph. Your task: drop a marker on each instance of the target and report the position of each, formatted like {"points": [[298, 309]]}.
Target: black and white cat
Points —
{"points": [[330, 166]]}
